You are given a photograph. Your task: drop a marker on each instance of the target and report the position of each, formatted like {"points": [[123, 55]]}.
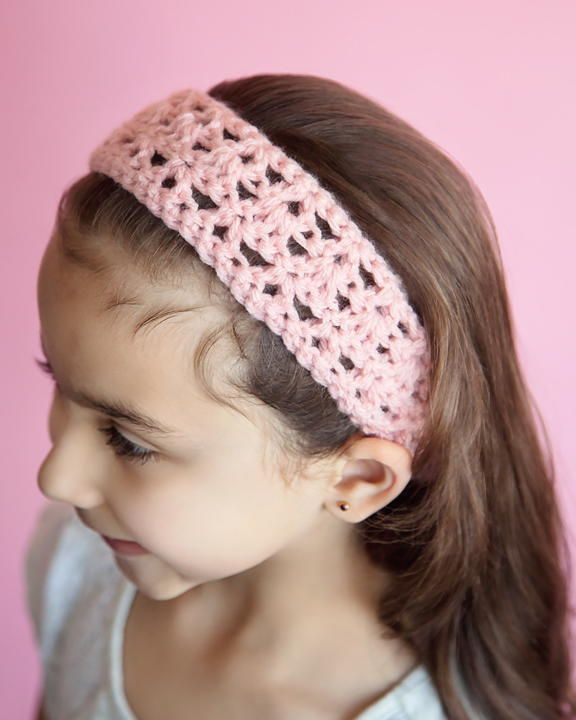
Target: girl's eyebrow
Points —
{"points": [[117, 409]]}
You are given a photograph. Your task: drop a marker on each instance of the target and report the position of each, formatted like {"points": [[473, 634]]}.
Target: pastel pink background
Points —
{"points": [[491, 82]]}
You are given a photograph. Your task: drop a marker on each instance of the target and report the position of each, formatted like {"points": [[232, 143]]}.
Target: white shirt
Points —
{"points": [[78, 601]]}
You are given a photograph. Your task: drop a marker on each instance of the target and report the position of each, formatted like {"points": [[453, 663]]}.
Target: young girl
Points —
{"points": [[295, 467]]}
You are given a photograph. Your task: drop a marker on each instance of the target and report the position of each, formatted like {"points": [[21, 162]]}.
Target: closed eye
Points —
{"points": [[124, 448], [45, 366]]}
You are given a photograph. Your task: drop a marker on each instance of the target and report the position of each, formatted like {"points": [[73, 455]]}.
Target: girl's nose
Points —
{"points": [[66, 476], [71, 471]]}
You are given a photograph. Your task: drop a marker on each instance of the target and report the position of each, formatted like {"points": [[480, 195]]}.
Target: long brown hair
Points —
{"points": [[476, 540]]}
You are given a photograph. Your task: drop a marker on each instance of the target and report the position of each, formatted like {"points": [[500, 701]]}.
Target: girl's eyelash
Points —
{"points": [[44, 365], [121, 445]]}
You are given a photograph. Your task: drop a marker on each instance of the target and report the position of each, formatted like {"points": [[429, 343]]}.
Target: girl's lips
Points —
{"points": [[125, 547]]}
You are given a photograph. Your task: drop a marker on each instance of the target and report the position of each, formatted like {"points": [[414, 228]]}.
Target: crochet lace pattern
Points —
{"points": [[286, 249]]}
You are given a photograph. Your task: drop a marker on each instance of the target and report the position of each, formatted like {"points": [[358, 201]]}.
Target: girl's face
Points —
{"points": [[203, 498]]}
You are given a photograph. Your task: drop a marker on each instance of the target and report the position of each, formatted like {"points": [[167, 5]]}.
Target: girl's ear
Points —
{"points": [[371, 473]]}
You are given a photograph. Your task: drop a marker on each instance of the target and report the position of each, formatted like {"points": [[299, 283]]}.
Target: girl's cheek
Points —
{"points": [[144, 504]]}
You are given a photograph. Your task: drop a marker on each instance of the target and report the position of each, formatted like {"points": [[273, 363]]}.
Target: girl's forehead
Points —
{"points": [[122, 291], [122, 318], [113, 338]]}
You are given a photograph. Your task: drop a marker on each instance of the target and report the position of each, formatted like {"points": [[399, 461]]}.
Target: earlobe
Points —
{"points": [[386, 485]]}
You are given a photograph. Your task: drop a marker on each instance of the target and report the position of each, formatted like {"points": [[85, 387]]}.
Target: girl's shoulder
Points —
{"points": [[73, 588], [41, 552], [64, 562]]}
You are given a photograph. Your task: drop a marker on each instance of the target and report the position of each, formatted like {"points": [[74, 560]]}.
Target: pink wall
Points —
{"points": [[491, 82]]}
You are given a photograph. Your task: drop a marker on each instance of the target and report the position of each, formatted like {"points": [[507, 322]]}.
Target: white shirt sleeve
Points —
{"points": [[39, 553]]}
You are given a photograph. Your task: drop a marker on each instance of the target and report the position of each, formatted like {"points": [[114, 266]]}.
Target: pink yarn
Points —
{"points": [[286, 249]]}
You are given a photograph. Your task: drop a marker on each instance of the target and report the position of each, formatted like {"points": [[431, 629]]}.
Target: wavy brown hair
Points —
{"points": [[476, 541]]}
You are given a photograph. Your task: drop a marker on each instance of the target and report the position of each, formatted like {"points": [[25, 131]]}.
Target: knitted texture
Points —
{"points": [[285, 248]]}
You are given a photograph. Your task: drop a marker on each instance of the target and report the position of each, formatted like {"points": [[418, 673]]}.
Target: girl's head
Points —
{"points": [[466, 529], [207, 491]]}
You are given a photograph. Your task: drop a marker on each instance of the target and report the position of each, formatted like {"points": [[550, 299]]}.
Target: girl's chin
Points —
{"points": [[154, 582]]}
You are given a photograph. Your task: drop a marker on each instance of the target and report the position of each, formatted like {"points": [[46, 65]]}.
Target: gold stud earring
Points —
{"points": [[343, 505]]}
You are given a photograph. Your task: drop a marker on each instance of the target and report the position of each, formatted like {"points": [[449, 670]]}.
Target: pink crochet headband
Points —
{"points": [[285, 248]]}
